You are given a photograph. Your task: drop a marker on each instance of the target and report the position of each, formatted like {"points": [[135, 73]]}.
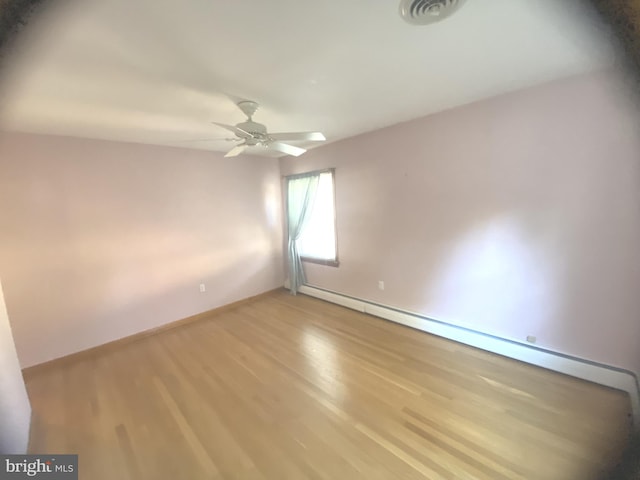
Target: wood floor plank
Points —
{"points": [[288, 387]]}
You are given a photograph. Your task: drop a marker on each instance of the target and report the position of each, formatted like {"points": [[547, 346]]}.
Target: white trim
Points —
{"points": [[601, 374], [348, 302]]}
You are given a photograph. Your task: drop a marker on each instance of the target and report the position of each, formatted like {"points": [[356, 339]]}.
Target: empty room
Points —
{"points": [[389, 239]]}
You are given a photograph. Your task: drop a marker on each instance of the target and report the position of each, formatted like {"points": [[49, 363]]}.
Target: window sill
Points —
{"points": [[320, 261]]}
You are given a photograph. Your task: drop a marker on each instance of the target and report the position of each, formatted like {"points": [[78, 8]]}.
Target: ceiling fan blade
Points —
{"points": [[292, 136], [285, 148], [234, 129], [235, 151], [219, 139]]}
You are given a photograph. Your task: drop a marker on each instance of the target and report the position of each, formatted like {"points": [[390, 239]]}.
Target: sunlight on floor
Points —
{"points": [[324, 363]]}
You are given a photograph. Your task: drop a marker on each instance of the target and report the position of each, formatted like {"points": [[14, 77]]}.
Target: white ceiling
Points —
{"points": [[159, 71]]}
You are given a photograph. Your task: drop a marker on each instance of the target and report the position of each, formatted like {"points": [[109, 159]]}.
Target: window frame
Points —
{"points": [[335, 262]]}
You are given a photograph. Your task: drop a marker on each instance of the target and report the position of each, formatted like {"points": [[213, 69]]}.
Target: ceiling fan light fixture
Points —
{"points": [[426, 12]]}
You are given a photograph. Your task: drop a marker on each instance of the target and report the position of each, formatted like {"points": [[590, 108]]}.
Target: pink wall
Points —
{"points": [[515, 216], [100, 240]]}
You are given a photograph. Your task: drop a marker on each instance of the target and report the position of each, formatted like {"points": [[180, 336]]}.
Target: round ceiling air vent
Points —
{"points": [[425, 12]]}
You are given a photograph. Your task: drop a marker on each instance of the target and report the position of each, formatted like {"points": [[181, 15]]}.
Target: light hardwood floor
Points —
{"points": [[294, 388]]}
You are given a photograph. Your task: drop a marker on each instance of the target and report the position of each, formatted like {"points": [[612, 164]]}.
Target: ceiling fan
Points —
{"points": [[250, 134]]}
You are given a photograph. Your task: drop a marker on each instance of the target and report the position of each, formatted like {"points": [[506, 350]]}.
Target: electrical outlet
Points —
{"points": [[203, 288], [381, 284], [531, 339]]}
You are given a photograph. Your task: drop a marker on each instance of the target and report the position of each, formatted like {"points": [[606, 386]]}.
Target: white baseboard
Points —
{"points": [[576, 367]]}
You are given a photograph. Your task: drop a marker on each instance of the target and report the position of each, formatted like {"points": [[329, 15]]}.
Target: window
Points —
{"points": [[317, 242]]}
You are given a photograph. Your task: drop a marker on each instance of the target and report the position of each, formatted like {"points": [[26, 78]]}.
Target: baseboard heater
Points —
{"points": [[606, 375]]}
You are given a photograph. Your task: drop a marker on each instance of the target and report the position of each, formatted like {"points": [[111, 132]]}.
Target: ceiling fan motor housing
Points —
{"points": [[254, 128]]}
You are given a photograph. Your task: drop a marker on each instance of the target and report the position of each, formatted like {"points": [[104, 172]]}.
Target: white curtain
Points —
{"points": [[301, 194]]}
